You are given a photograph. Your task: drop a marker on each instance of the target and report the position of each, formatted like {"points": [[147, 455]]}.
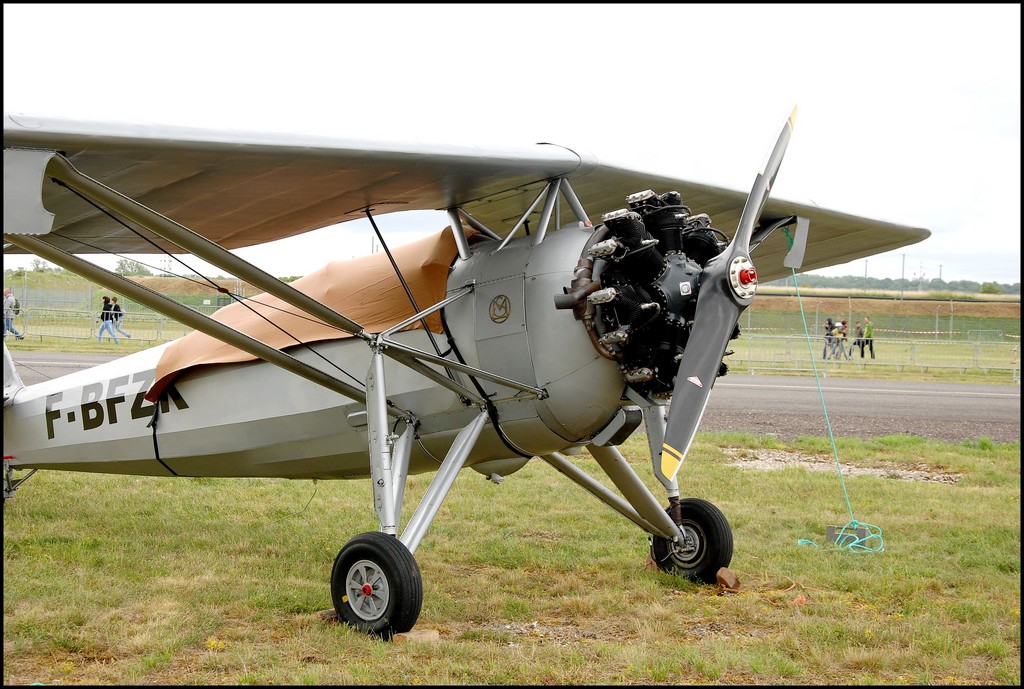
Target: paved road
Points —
{"points": [[792, 406], [782, 406], [35, 367]]}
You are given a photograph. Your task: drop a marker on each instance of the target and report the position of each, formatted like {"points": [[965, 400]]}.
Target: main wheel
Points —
{"points": [[376, 585], [705, 546]]}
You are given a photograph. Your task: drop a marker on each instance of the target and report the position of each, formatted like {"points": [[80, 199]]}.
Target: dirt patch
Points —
{"points": [[773, 460], [884, 306], [561, 633], [199, 286]]}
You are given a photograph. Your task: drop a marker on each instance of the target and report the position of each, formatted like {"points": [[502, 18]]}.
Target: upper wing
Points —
{"points": [[241, 189]]}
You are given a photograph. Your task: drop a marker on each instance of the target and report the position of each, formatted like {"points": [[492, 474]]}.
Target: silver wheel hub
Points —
{"points": [[367, 591], [686, 549]]}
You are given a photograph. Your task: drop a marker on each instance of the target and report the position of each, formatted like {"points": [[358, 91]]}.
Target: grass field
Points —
{"points": [[151, 581], [143, 581]]}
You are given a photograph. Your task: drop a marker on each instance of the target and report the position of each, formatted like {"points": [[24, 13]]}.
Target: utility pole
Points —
{"points": [[903, 271]]}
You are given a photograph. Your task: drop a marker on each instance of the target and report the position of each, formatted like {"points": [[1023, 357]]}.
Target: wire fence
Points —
{"points": [[71, 324], [918, 319], [983, 350], [753, 353]]}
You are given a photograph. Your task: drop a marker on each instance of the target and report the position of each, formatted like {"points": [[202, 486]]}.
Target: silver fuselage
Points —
{"points": [[255, 419]]}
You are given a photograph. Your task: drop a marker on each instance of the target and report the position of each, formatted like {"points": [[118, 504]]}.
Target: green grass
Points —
{"points": [[87, 345], [131, 580]]}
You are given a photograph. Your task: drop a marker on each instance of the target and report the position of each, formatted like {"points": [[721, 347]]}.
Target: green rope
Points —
{"points": [[847, 537]]}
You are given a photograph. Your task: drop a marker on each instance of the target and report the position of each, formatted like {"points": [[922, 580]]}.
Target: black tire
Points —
{"points": [[376, 585], [707, 546]]}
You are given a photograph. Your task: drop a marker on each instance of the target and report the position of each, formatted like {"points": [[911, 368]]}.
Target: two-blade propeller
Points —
{"points": [[727, 288]]}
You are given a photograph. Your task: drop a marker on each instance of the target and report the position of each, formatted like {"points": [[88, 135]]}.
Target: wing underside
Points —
{"points": [[241, 189]]}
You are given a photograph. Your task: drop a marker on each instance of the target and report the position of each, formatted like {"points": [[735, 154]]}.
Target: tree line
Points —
{"points": [[896, 284], [130, 268]]}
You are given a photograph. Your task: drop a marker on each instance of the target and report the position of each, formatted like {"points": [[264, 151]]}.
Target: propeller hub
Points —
{"points": [[742, 277]]}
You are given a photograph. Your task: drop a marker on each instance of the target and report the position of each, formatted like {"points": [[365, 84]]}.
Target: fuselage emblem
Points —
{"points": [[500, 309]]}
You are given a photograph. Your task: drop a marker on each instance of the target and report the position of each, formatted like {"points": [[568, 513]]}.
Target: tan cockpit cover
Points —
{"points": [[365, 290]]}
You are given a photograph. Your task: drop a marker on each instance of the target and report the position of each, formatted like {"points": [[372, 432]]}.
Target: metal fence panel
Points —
{"points": [[927, 354], [781, 353], [65, 323], [752, 351], [77, 324]]}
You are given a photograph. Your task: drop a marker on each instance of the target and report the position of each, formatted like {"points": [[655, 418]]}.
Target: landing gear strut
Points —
{"points": [[10, 483]]}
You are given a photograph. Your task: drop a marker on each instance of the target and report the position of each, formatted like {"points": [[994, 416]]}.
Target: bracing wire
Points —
{"points": [[206, 281]]}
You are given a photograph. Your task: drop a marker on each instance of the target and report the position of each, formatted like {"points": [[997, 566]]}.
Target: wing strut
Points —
{"points": [[556, 187], [549, 205], [574, 203], [188, 316], [475, 224], [61, 169], [522, 219], [415, 358], [406, 354], [458, 232]]}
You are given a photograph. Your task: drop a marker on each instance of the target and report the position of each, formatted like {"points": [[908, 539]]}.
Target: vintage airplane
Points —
{"points": [[493, 342]]}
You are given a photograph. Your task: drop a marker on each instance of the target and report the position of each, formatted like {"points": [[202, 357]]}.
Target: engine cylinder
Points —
{"points": [[655, 289]]}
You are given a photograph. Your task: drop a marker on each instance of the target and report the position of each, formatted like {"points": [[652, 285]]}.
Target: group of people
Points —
{"points": [[110, 319], [836, 335]]}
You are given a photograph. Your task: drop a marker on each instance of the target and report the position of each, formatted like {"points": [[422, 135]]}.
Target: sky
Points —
{"points": [[907, 113]]}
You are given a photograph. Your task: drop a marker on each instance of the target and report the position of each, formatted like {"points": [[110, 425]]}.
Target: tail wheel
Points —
{"points": [[376, 585], [704, 547]]}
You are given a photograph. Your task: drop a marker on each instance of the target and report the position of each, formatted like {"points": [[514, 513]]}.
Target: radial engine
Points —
{"points": [[636, 284]]}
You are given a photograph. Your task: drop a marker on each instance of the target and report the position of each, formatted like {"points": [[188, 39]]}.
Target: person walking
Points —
{"points": [[858, 339], [106, 318], [869, 337], [844, 336], [10, 303], [829, 327], [118, 316], [837, 341]]}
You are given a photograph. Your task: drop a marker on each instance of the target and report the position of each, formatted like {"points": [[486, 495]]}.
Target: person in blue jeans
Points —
{"points": [[118, 316], [9, 305], [107, 321]]}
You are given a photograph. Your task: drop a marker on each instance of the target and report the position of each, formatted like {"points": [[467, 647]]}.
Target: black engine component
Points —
{"points": [[646, 272]]}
